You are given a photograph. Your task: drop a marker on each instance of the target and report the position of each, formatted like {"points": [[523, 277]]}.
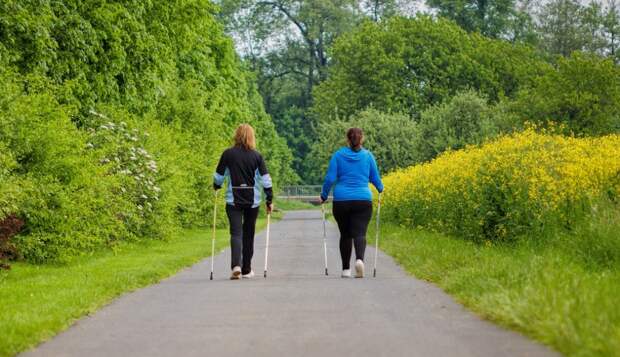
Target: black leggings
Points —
{"points": [[242, 228], [352, 218]]}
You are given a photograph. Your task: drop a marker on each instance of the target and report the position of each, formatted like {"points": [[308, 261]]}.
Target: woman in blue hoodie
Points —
{"points": [[351, 169]]}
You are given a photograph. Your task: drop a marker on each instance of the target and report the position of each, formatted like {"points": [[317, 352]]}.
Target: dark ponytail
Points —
{"points": [[356, 138]]}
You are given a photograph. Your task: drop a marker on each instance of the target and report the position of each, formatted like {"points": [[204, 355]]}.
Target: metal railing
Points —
{"points": [[306, 193]]}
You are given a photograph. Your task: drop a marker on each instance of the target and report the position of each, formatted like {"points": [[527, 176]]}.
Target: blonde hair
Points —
{"points": [[244, 137]]}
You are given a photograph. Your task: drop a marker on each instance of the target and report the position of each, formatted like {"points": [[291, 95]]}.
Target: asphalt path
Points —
{"points": [[296, 311]]}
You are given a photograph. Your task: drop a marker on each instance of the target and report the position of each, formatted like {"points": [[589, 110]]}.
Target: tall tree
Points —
{"points": [[493, 18], [566, 26], [287, 42], [611, 30]]}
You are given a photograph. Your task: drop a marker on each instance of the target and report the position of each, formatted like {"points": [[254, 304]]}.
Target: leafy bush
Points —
{"points": [[67, 201], [463, 120], [9, 226], [523, 183]]}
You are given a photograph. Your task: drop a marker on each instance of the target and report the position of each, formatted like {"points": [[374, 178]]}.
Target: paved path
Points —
{"points": [[297, 311]]}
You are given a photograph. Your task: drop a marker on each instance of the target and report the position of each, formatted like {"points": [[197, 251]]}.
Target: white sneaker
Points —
{"points": [[346, 273], [249, 275], [236, 273], [359, 268]]}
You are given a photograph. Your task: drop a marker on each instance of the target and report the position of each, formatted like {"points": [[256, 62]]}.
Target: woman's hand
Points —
{"points": [[269, 207]]}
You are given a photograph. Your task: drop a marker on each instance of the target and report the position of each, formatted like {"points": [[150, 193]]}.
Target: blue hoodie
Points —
{"points": [[351, 171]]}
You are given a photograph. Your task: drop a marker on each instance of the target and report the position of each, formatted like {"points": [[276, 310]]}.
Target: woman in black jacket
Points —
{"points": [[246, 172]]}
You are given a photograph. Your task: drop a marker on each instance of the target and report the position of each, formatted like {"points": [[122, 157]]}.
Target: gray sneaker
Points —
{"points": [[249, 275], [346, 273]]}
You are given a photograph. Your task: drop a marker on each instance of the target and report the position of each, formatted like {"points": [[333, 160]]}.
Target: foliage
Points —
{"points": [[9, 226], [524, 183], [67, 203], [494, 18], [407, 65], [81, 182], [388, 136], [288, 43], [583, 93], [463, 120], [565, 26]]}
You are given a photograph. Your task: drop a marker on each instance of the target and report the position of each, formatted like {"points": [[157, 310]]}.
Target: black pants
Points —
{"points": [[352, 218], [242, 227]]}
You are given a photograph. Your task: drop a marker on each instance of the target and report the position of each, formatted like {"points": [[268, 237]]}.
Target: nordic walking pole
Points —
{"points": [[267, 243], [213, 237], [374, 272], [324, 237]]}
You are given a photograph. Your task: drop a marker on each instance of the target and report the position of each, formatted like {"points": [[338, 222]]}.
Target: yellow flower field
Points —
{"points": [[516, 184]]}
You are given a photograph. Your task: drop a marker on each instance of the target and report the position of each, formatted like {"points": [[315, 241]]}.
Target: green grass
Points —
{"points": [[38, 301], [562, 290]]}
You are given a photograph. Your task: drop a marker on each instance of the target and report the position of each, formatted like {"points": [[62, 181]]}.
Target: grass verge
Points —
{"points": [[38, 301], [562, 291]]}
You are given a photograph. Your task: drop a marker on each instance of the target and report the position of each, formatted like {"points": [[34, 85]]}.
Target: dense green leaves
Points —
{"points": [[407, 65], [493, 18], [465, 119], [113, 114], [583, 93]]}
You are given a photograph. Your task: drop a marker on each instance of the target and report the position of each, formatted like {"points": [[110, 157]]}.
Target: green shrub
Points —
{"points": [[67, 200], [465, 119]]}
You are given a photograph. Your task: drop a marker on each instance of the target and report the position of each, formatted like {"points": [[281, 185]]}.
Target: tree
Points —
{"points": [[112, 114], [464, 119], [287, 43], [611, 30], [566, 26], [583, 94], [407, 65], [493, 18]]}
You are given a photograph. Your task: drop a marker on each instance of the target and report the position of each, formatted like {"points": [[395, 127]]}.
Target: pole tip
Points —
{"points": [[374, 273], [326, 273], [265, 274], [211, 276]]}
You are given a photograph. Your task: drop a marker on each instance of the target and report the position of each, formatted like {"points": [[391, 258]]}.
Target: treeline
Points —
{"points": [[456, 88], [112, 117], [320, 64]]}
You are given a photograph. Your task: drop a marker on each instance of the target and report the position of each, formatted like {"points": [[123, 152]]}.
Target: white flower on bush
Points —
{"points": [[129, 158]]}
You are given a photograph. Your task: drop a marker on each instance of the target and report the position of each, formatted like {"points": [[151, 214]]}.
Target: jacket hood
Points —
{"points": [[351, 155]]}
